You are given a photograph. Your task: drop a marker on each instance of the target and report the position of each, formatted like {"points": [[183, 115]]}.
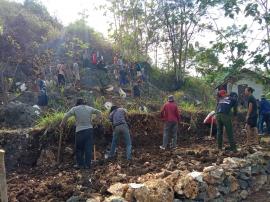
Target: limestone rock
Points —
{"points": [[187, 186], [95, 198], [244, 194], [233, 183], [75, 199], [153, 191], [243, 184], [212, 192], [115, 199], [172, 179], [261, 179], [118, 189]]}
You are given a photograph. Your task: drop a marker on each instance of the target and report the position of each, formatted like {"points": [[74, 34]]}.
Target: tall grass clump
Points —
{"points": [[52, 120]]}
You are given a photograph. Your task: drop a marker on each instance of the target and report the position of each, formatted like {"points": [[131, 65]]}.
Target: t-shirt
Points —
{"points": [[83, 115], [117, 117], [251, 99]]}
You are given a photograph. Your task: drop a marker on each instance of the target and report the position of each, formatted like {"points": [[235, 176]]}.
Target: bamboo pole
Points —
{"points": [[3, 181]]}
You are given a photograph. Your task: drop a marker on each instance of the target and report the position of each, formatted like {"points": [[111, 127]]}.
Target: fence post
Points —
{"points": [[3, 181]]}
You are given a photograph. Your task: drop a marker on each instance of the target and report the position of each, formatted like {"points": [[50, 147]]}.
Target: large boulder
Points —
{"points": [[91, 78], [151, 191], [18, 115], [27, 97], [187, 186]]}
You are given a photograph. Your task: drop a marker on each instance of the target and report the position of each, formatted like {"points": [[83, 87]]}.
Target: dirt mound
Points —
{"points": [[18, 115]]}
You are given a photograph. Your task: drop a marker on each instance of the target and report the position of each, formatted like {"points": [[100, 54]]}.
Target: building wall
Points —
{"points": [[251, 83]]}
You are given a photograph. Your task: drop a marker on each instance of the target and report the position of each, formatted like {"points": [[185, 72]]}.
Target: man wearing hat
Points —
{"points": [[264, 112], [170, 114], [224, 118]]}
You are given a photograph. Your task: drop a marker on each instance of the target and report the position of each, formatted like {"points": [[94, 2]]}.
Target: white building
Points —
{"points": [[240, 81]]}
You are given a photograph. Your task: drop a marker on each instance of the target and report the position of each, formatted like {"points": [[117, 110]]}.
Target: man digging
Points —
{"points": [[84, 132]]}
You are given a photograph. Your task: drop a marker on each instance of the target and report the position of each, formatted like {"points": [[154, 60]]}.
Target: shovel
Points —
{"points": [[211, 131], [59, 146]]}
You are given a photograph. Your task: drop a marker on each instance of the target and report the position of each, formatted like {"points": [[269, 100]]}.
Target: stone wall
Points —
{"points": [[233, 180]]}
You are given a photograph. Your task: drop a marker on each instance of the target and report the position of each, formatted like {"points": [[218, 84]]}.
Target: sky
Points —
{"points": [[67, 11]]}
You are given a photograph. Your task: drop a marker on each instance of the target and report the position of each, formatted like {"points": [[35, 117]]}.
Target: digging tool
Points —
{"points": [[95, 156], [211, 131], [3, 181], [59, 146]]}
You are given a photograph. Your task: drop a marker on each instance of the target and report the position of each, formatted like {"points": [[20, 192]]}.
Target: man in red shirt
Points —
{"points": [[170, 114]]}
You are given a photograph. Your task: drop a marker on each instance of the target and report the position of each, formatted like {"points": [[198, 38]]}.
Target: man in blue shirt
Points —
{"points": [[264, 112]]}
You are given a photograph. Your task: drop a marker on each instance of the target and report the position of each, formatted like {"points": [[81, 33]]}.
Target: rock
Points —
{"points": [[243, 184], [232, 183], [210, 179], [154, 190], [17, 114], [177, 200], [94, 200], [244, 194], [243, 176], [118, 189], [234, 162], [172, 179], [75, 199], [196, 175], [27, 97], [224, 190], [171, 165], [46, 158], [187, 186], [209, 168], [115, 199], [94, 78], [212, 192], [261, 179]]}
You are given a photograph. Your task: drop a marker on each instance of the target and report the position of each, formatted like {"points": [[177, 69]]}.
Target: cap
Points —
{"points": [[170, 98]]}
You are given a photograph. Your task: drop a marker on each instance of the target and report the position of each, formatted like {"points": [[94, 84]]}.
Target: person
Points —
{"points": [[120, 128], [136, 90], [84, 132], [76, 73], [224, 118], [264, 114], [61, 74], [123, 76], [251, 118], [42, 97], [94, 58], [170, 114]]}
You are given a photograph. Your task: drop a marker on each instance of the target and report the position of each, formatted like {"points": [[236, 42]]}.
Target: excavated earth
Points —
{"points": [[34, 175]]}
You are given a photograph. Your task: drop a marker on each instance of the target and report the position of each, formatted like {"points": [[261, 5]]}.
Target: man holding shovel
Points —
{"points": [[84, 132], [224, 118]]}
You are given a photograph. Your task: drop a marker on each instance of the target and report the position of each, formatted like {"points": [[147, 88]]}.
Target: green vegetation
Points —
{"points": [[50, 120]]}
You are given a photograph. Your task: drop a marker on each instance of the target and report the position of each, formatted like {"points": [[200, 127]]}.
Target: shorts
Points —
{"points": [[252, 121]]}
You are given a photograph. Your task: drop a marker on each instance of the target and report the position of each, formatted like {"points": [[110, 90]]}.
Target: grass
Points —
{"points": [[52, 120]]}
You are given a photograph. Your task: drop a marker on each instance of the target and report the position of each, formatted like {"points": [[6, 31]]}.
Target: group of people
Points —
{"points": [[95, 58], [59, 75], [171, 115], [84, 131], [128, 73], [258, 113]]}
